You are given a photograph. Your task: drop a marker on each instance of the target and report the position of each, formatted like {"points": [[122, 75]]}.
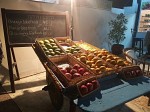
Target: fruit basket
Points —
{"points": [[110, 58], [49, 47], [68, 45], [130, 72], [69, 70], [99, 67], [88, 86]]}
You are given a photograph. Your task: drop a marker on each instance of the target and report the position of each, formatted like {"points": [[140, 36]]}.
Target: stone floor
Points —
{"points": [[30, 97]]}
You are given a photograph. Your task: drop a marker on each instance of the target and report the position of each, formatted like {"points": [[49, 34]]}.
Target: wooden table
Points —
{"points": [[114, 92]]}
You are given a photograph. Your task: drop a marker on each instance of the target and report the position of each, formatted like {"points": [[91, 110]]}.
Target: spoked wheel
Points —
{"points": [[56, 96]]}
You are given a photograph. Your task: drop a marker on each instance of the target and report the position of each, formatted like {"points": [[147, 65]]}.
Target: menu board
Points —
{"points": [[26, 26]]}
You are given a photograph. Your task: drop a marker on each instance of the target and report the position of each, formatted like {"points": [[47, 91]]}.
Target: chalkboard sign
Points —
{"points": [[22, 27], [25, 26]]}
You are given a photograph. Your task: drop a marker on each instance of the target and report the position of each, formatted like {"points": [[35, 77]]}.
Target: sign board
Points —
{"points": [[25, 26], [22, 27]]}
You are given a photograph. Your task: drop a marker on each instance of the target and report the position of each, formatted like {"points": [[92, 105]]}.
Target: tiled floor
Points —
{"points": [[30, 97]]}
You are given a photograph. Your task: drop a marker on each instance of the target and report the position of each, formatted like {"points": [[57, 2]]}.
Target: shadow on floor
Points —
{"points": [[6, 103]]}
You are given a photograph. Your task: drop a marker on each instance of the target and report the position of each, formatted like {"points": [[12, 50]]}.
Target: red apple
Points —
{"points": [[68, 76], [63, 71], [73, 71], [138, 72], [133, 73], [68, 69], [89, 86], [83, 89], [128, 74], [95, 84], [81, 71], [76, 66], [76, 75], [86, 73]]}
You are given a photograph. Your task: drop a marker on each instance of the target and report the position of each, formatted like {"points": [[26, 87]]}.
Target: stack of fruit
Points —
{"points": [[130, 72], [96, 64], [73, 71], [73, 49], [88, 86], [85, 85], [68, 45], [111, 59], [50, 47]]}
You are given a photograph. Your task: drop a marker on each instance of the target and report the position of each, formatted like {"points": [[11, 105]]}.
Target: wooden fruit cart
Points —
{"points": [[111, 93], [55, 24]]}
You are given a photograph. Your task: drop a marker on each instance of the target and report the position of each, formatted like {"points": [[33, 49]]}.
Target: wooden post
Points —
{"points": [[8, 52], [14, 59]]}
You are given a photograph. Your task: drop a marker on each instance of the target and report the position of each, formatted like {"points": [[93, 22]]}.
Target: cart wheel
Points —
{"points": [[56, 97]]}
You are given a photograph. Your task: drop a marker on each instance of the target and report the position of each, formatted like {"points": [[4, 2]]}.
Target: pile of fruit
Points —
{"points": [[73, 49], [68, 45], [130, 72], [111, 59], [73, 71], [96, 64], [88, 86], [105, 55], [50, 47]]}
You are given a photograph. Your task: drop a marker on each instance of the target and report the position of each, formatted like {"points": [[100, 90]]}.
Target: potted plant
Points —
{"points": [[117, 33]]}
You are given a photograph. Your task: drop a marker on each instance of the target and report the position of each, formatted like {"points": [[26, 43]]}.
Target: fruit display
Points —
{"points": [[78, 73], [85, 87], [68, 45], [105, 55], [130, 72], [112, 59], [96, 64], [72, 71], [69, 70], [50, 47]]}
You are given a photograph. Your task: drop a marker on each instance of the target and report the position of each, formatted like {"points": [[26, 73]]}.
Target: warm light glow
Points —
{"points": [[47, 1]]}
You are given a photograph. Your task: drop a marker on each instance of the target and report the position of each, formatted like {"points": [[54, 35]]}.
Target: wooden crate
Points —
{"points": [[54, 62], [47, 50], [68, 45], [130, 72]]}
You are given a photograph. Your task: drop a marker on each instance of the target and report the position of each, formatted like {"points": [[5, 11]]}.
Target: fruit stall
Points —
{"points": [[90, 77]]}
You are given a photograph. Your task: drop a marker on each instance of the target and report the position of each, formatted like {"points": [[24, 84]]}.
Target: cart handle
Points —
{"points": [[57, 83]]}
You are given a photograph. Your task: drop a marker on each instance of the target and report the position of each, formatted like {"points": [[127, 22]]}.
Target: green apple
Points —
{"points": [[54, 47], [45, 49], [52, 53], [47, 52], [46, 41], [51, 40], [49, 55], [50, 50], [48, 46], [57, 52], [42, 45], [53, 44], [41, 42]]}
